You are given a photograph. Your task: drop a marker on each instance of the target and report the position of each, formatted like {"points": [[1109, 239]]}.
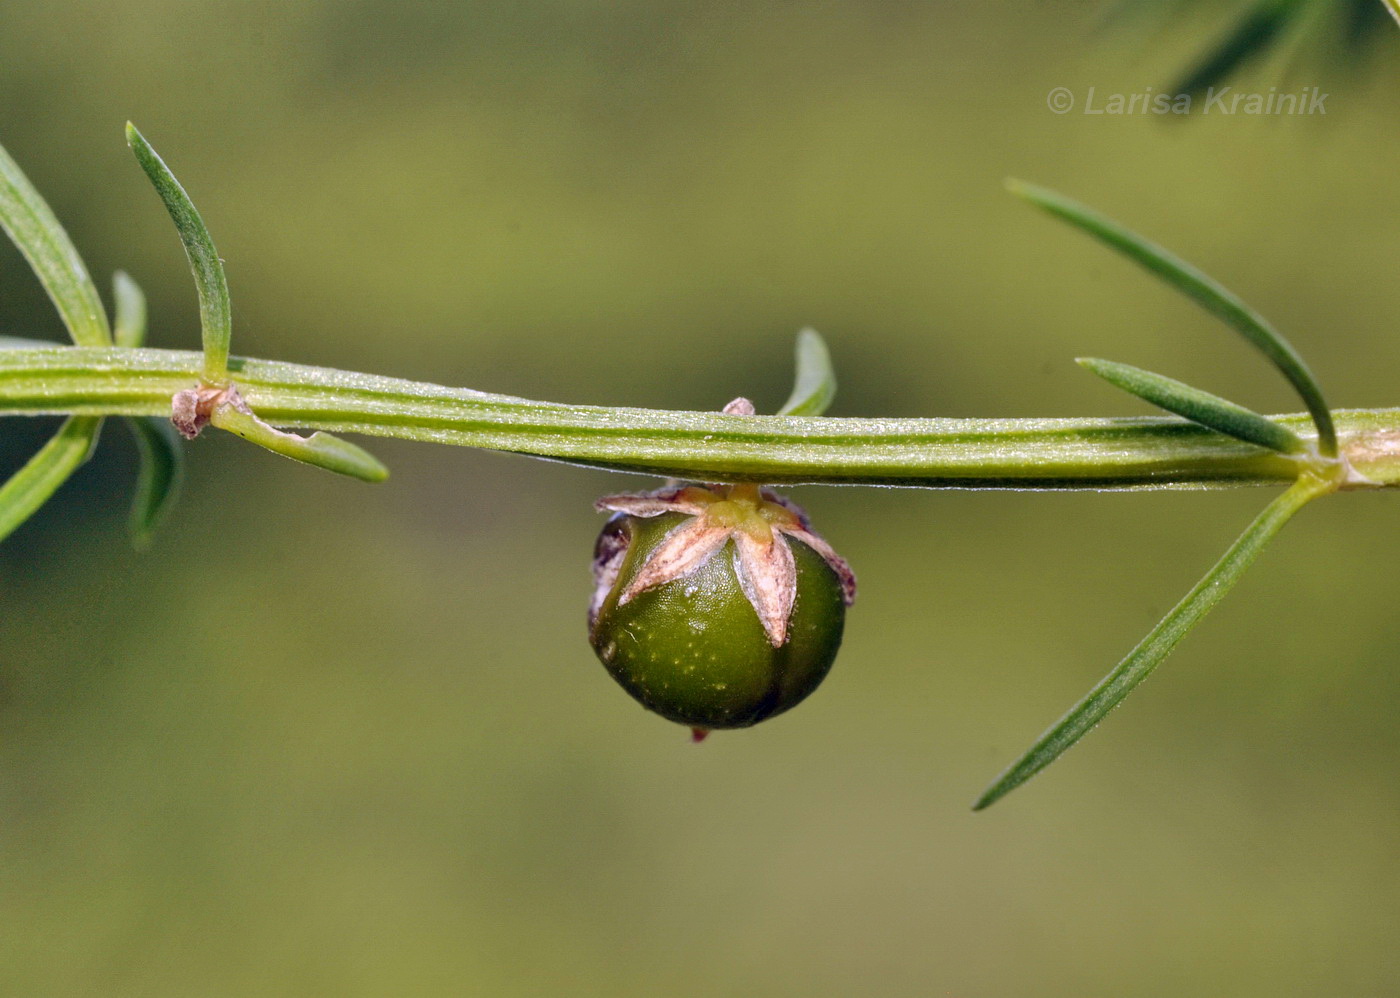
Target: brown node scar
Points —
{"points": [[192, 409]]}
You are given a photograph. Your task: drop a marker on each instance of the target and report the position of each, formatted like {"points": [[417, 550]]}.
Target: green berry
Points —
{"points": [[711, 609]]}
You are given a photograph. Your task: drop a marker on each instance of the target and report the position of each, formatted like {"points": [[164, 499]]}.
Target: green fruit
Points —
{"points": [[693, 648]]}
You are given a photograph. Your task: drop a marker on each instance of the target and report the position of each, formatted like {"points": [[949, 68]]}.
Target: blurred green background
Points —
{"points": [[333, 739]]}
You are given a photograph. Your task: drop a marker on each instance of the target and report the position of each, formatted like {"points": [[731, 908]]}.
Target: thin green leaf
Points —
{"points": [[30, 487], [214, 312], [1251, 37], [1205, 291], [1199, 406], [34, 229], [321, 449], [1339, 30], [814, 385], [1114, 687], [159, 475], [1394, 7], [130, 326]]}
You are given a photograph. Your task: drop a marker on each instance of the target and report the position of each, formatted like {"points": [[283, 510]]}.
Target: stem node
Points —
{"points": [[222, 405], [193, 409]]}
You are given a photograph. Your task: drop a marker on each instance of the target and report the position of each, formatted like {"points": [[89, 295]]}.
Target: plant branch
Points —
{"points": [[1142, 453]]}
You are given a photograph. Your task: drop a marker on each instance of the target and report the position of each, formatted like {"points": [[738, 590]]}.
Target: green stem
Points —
{"points": [[1141, 453]]}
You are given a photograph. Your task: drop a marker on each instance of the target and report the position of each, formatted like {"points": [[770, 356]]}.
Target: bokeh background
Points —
{"points": [[332, 739]]}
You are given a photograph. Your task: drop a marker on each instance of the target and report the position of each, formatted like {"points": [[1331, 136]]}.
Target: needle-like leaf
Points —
{"points": [[814, 385], [1209, 294], [160, 458], [1140, 662], [30, 487], [32, 225], [321, 449], [130, 325], [159, 475], [1198, 406], [214, 312], [1250, 38]]}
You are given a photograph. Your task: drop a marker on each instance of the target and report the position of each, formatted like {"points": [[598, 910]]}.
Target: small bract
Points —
{"points": [[716, 606]]}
